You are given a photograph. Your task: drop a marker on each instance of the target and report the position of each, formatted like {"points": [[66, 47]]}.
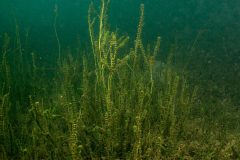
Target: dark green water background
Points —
{"points": [[215, 24]]}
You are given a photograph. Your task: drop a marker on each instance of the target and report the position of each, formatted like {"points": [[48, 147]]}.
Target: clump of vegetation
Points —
{"points": [[110, 104]]}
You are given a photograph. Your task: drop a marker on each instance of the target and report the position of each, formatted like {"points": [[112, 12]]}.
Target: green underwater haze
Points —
{"points": [[120, 79]]}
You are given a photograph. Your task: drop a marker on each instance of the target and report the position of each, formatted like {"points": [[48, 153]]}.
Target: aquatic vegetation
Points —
{"points": [[110, 103]]}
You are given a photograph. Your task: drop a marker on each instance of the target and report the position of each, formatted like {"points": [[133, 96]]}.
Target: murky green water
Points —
{"points": [[42, 96]]}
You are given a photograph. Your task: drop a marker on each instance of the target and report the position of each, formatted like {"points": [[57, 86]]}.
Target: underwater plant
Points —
{"points": [[116, 101]]}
